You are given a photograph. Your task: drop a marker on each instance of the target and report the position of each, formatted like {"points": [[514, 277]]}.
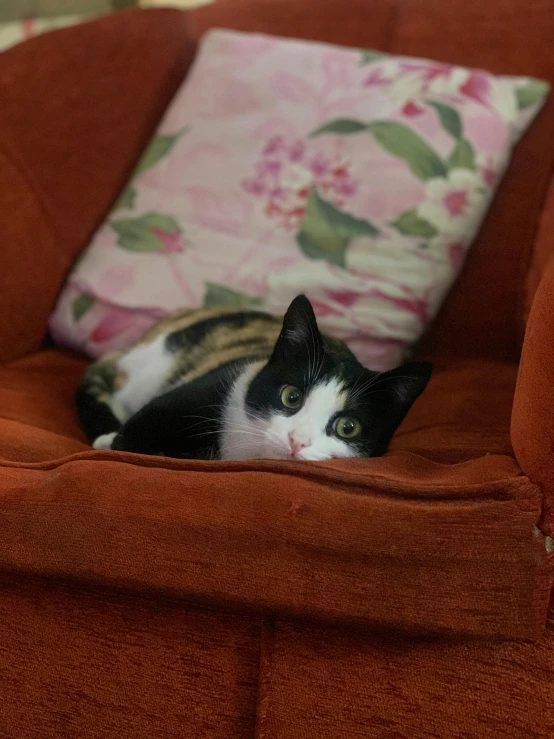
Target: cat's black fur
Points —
{"points": [[182, 423]]}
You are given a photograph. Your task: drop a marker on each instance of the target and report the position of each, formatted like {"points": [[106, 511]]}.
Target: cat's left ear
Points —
{"points": [[402, 386], [300, 331]]}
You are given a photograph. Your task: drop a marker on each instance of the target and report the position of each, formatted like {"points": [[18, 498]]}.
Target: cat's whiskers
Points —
{"points": [[356, 393], [217, 422], [242, 432], [243, 428], [203, 420], [375, 381], [239, 430], [357, 381], [233, 444], [267, 434]]}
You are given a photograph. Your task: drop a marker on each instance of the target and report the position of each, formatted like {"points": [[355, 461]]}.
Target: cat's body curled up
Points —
{"points": [[225, 383]]}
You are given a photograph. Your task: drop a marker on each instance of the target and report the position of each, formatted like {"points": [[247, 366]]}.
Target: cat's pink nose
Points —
{"points": [[297, 444]]}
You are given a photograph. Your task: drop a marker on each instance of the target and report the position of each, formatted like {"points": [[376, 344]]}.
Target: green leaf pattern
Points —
{"points": [[158, 148], [410, 223], [221, 295], [326, 231], [81, 305], [127, 198], [144, 234], [462, 156], [320, 236], [341, 126], [404, 143], [531, 94], [449, 117], [370, 55]]}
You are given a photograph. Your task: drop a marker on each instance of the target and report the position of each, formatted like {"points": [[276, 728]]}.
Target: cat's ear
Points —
{"points": [[401, 387], [300, 331]]}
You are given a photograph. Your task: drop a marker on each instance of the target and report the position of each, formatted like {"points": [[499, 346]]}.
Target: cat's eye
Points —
{"points": [[291, 397], [347, 428]]}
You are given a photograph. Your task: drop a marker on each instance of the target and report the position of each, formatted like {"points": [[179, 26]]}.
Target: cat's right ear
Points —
{"points": [[300, 332]]}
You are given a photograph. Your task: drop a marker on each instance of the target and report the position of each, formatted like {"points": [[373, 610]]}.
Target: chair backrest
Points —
{"points": [[78, 106], [485, 310]]}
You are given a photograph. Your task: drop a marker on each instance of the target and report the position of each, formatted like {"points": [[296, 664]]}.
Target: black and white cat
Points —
{"points": [[220, 383]]}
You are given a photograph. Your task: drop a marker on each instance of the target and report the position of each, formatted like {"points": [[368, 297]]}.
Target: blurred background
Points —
{"points": [[22, 19]]}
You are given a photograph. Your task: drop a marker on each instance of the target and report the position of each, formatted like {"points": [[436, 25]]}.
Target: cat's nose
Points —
{"points": [[297, 444]]}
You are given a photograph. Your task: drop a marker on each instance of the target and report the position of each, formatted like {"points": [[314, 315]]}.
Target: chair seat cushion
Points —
{"points": [[413, 539]]}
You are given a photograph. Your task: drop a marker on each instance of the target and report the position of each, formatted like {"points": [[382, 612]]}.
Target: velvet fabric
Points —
{"points": [[320, 541], [532, 417], [78, 107], [400, 597], [323, 683]]}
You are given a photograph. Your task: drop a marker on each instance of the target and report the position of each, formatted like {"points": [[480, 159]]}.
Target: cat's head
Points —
{"points": [[313, 400]]}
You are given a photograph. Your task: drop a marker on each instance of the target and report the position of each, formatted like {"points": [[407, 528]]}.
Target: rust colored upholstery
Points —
{"points": [[340, 521], [322, 683], [403, 597], [533, 412], [541, 256], [95, 663], [72, 126]]}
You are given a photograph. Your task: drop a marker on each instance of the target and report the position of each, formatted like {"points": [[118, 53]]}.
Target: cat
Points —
{"points": [[225, 383]]}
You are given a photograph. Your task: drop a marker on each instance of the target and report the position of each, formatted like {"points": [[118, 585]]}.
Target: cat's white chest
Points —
{"points": [[146, 368], [240, 439]]}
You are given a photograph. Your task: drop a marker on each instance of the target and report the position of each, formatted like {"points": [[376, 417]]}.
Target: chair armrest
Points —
{"points": [[532, 427], [78, 107], [543, 250]]}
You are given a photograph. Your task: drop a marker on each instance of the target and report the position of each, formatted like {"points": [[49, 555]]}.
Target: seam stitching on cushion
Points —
{"points": [[357, 481]]}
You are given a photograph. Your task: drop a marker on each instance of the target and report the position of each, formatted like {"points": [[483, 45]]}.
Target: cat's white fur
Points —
{"points": [[146, 367], [104, 441], [302, 435]]}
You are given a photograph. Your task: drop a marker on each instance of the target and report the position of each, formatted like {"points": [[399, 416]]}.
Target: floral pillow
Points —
{"points": [[287, 166]]}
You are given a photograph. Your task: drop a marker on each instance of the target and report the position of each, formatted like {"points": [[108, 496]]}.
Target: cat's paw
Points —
{"points": [[104, 441]]}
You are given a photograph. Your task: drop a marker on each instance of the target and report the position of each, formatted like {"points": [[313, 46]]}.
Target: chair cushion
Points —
{"points": [[480, 315], [285, 166], [409, 540]]}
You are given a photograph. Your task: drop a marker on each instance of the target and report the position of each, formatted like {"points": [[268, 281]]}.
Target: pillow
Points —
{"points": [[284, 166]]}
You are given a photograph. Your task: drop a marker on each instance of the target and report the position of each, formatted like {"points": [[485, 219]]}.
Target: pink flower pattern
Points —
{"points": [[409, 82], [300, 174], [288, 170]]}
